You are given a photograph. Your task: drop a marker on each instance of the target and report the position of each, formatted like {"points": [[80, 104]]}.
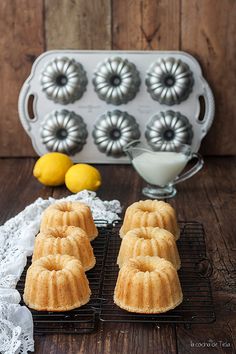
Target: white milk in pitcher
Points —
{"points": [[161, 167]]}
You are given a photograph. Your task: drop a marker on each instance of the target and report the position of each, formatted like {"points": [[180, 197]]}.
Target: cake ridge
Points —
{"points": [[150, 213], [70, 214], [58, 291], [150, 281], [69, 240], [149, 241]]}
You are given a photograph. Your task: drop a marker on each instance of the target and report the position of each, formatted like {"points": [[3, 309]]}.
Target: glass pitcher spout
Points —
{"points": [[161, 168], [134, 148]]}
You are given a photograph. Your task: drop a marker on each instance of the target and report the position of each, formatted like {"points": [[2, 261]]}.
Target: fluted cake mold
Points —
{"points": [[64, 80], [64, 131], [169, 81], [116, 80], [102, 81], [113, 130], [168, 130]]}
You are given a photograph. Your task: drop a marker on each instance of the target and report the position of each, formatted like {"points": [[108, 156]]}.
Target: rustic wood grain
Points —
{"points": [[146, 24], [113, 338], [78, 24], [21, 41], [205, 28], [18, 187], [208, 32], [214, 193], [210, 198]]}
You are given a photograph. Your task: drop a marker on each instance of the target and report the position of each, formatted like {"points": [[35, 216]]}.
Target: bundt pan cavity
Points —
{"points": [[116, 80], [168, 130], [63, 131], [169, 81], [113, 131], [64, 80]]}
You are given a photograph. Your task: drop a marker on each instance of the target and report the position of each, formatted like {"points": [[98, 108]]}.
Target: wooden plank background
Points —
{"points": [[204, 28]]}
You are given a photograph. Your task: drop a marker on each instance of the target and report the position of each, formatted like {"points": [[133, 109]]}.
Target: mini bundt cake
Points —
{"points": [[148, 285], [69, 240], [150, 213], [56, 283], [70, 214], [149, 241]]}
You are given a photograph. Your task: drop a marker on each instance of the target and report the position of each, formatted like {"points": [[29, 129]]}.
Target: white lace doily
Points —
{"points": [[16, 243]]}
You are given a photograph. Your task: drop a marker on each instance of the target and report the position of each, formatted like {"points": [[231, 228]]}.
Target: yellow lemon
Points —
{"points": [[82, 176], [50, 169]]}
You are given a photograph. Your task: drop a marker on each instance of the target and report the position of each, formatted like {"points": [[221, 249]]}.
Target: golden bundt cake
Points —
{"points": [[148, 285], [69, 240], [56, 283], [149, 241], [70, 214], [150, 213]]}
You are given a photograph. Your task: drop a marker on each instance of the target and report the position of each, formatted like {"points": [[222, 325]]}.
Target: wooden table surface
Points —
{"points": [[210, 198]]}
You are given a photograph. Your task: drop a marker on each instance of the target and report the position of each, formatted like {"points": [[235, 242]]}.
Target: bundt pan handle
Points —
{"points": [[27, 100], [204, 267], [207, 120]]}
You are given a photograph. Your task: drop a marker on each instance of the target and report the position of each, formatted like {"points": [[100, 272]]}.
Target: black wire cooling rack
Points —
{"points": [[85, 318], [194, 274], [197, 306]]}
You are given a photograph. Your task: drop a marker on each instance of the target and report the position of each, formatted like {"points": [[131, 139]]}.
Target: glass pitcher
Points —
{"points": [[162, 169]]}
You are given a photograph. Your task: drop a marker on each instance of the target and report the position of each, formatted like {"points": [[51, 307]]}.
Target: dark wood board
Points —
{"points": [[78, 24], [18, 187], [21, 41], [208, 31], [212, 201], [204, 28], [146, 25], [209, 198]]}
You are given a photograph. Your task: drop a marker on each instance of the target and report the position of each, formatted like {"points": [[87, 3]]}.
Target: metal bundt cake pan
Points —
{"points": [[169, 81], [113, 131], [116, 80], [63, 131], [168, 129], [63, 80], [74, 96]]}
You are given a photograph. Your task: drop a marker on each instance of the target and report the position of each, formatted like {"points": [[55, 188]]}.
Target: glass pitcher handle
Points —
{"points": [[197, 167]]}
